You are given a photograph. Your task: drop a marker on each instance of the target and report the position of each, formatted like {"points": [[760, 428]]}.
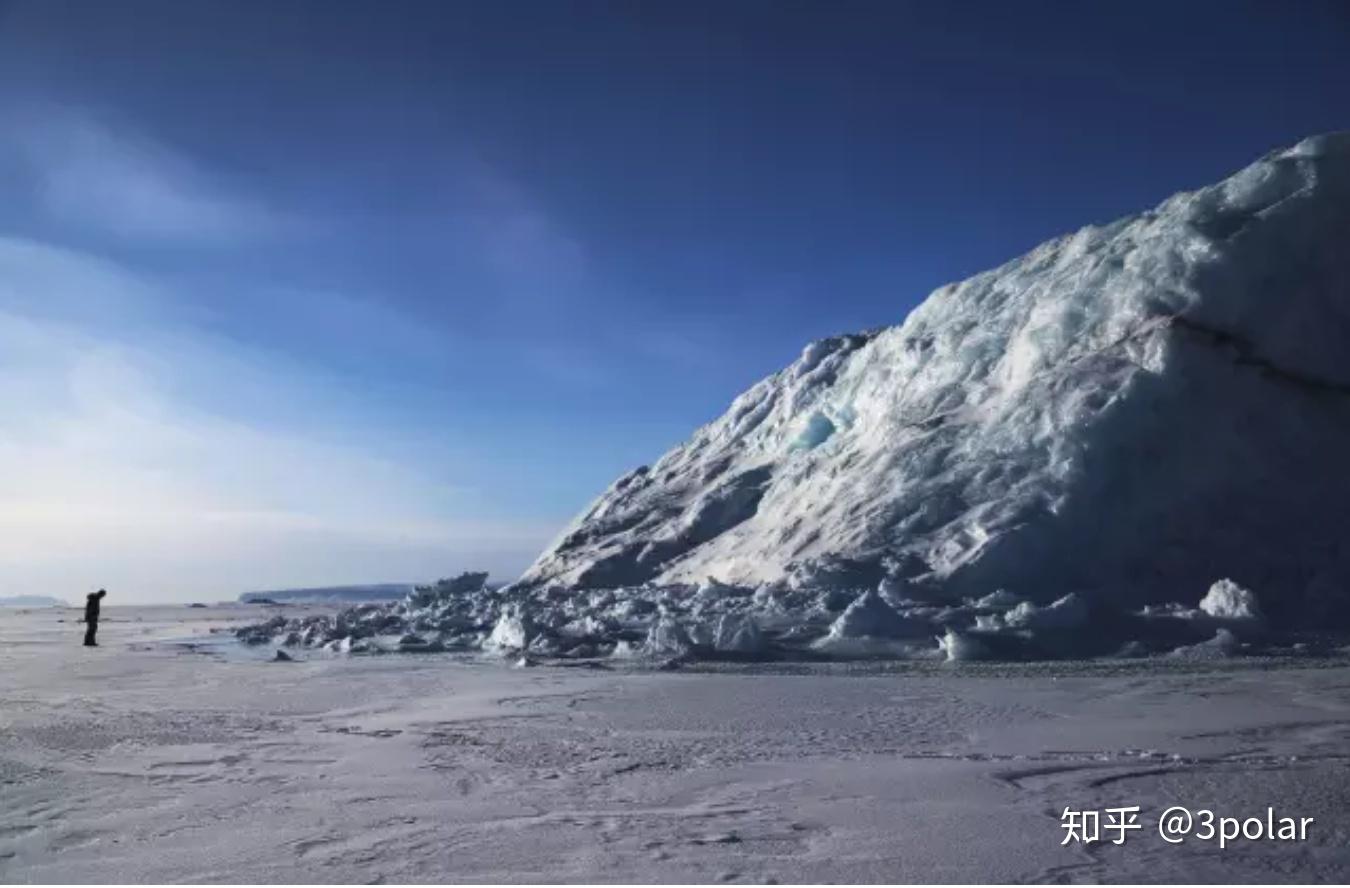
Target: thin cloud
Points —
{"points": [[520, 240], [548, 277], [113, 472], [41, 279], [513, 242], [96, 175]]}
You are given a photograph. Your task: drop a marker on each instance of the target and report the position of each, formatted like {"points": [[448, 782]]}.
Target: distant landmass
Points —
{"points": [[374, 592], [32, 601]]}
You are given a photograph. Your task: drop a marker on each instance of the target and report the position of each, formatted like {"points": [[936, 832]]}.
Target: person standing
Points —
{"points": [[91, 605]]}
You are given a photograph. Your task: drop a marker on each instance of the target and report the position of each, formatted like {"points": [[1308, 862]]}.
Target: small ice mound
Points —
{"points": [[511, 633], [988, 623], [282, 657], [999, 599], [445, 590], [666, 638], [1224, 644], [766, 598], [871, 617], [962, 646], [261, 633], [712, 591], [1068, 612], [1226, 600], [624, 650], [588, 626], [894, 589], [832, 601], [1167, 610], [870, 627], [739, 635], [834, 572]]}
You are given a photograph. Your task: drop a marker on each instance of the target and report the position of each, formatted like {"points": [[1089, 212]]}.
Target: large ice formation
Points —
{"points": [[1125, 413], [1057, 457]]}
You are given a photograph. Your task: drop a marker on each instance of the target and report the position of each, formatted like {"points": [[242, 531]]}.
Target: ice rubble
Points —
{"points": [[1053, 458], [672, 624]]}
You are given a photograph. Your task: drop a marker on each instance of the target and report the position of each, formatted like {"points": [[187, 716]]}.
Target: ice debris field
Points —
{"points": [[1130, 441], [670, 625]]}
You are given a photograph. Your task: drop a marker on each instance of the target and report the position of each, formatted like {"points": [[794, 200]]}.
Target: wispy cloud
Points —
{"points": [[44, 280], [113, 473], [520, 240], [96, 174], [549, 278]]}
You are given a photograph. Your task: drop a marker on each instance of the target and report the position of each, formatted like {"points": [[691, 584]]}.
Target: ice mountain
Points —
{"points": [[1127, 413]]}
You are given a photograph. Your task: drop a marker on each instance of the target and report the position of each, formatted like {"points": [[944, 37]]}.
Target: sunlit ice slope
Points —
{"points": [[1127, 412]]}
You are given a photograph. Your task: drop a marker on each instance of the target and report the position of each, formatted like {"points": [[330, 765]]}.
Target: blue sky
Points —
{"points": [[310, 293]]}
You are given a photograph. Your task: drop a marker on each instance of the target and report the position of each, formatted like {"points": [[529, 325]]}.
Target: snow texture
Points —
{"points": [[153, 760]]}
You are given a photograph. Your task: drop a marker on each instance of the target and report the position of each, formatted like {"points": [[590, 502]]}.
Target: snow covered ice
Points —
{"points": [[214, 763], [1125, 440], [1127, 413]]}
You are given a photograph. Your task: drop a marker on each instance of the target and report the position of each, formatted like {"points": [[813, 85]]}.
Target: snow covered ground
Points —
{"points": [[150, 759]]}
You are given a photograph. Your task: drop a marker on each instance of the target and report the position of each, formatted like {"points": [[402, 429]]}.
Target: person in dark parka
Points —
{"points": [[91, 617]]}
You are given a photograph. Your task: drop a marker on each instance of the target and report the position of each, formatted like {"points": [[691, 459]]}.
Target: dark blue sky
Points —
{"points": [[509, 250]]}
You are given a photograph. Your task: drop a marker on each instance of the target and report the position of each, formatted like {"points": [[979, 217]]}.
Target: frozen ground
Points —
{"points": [[151, 760]]}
